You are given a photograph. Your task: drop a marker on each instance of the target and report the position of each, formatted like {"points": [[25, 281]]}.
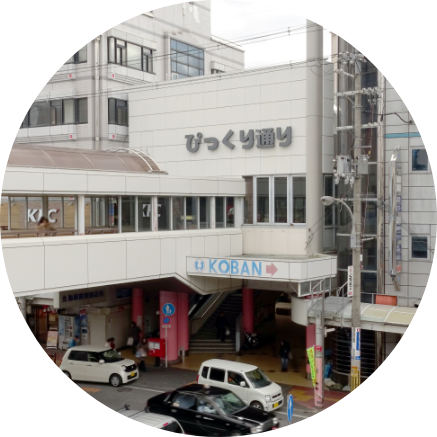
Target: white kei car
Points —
{"points": [[98, 364]]}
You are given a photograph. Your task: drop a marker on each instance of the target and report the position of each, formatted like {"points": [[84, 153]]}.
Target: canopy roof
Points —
{"points": [[114, 159]]}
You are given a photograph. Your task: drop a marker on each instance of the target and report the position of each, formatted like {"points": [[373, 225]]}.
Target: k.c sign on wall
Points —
{"points": [[265, 138]]}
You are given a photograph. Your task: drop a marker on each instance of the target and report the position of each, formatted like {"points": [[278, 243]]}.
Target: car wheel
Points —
{"points": [[115, 380], [67, 374], [258, 405]]}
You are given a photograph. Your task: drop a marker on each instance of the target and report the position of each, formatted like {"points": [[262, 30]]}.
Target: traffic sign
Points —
{"points": [[166, 320], [166, 326], [168, 309], [290, 408]]}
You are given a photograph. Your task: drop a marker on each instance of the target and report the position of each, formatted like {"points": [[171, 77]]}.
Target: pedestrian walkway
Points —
{"points": [[304, 397]]}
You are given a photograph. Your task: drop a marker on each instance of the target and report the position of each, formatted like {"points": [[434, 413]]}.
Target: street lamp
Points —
{"points": [[328, 201]]}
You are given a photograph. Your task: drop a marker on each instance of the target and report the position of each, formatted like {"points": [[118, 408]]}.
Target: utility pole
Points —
{"points": [[356, 252]]}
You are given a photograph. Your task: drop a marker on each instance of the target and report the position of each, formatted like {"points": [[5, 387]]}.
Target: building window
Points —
{"points": [[204, 212], [419, 247], [419, 160], [275, 200], [186, 60], [215, 71], [220, 212], [230, 212], [56, 113], [130, 55], [79, 57], [178, 211], [164, 214], [144, 213], [118, 112]]}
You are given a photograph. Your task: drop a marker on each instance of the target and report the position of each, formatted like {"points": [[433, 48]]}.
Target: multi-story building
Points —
{"points": [[86, 104]]}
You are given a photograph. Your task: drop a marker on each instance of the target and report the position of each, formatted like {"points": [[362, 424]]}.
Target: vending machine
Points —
{"points": [[69, 327]]}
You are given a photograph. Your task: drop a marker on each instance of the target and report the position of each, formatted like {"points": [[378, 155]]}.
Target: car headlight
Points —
{"points": [[268, 398], [124, 368], [256, 430]]}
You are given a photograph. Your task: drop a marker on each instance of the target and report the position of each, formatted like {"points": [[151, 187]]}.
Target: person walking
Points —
{"points": [[135, 334], [73, 342], [45, 225], [284, 351], [142, 354], [221, 323]]}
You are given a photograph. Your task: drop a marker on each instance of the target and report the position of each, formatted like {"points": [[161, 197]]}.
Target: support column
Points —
{"points": [[310, 341], [183, 323], [248, 310], [171, 333], [80, 214], [138, 308]]}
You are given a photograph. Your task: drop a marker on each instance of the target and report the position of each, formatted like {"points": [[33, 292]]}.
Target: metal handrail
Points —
{"points": [[209, 307]]}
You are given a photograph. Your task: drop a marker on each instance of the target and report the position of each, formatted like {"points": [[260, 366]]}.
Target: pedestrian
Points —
{"points": [[44, 225], [73, 342], [284, 351], [135, 334], [221, 325], [110, 342], [142, 354]]}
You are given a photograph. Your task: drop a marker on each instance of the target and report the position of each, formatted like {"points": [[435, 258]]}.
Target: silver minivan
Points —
{"points": [[248, 382]]}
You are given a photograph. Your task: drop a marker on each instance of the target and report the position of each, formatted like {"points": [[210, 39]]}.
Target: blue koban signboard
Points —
{"points": [[290, 408], [168, 309]]}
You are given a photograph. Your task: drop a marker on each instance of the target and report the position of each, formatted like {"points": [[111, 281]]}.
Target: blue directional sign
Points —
{"points": [[168, 309], [290, 407], [166, 320]]}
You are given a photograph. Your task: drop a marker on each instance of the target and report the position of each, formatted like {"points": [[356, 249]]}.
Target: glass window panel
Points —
{"points": [[262, 200], [144, 213], [248, 202], [173, 44], [111, 49], [34, 213], [121, 43], [194, 62], [299, 200], [55, 112], [344, 252], [164, 213], [219, 212], [369, 213], [113, 212], [128, 214], [4, 208], [69, 212], [99, 212], [54, 212], [134, 56], [204, 213], [69, 111], [112, 111], [25, 121], [201, 72], [329, 210], [419, 160], [182, 69], [281, 199], [178, 213], [419, 247], [181, 47], [82, 111], [230, 212], [122, 113], [369, 254], [344, 222], [70, 60], [191, 212], [174, 67], [39, 114], [150, 63], [19, 213], [368, 286], [87, 212], [193, 72], [182, 76], [81, 55]]}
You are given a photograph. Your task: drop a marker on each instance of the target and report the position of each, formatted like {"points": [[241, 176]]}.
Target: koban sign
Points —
{"points": [[265, 138]]}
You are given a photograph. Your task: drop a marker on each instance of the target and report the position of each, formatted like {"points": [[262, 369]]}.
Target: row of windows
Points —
{"points": [[79, 57], [275, 200], [56, 112], [130, 55], [186, 60]]}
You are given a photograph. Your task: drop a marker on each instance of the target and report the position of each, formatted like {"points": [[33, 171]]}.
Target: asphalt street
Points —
{"points": [[158, 380]]}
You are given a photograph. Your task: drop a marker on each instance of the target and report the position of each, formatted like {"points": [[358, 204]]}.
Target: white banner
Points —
{"points": [[350, 281]]}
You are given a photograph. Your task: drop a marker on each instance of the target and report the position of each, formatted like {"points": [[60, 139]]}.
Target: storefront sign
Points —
{"points": [[265, 138], [310, 353], [52, 339], [31, 215], [350, 281], [69, 299]]}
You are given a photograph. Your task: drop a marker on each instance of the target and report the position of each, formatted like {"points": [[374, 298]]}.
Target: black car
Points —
{"points": [[203, 410]]}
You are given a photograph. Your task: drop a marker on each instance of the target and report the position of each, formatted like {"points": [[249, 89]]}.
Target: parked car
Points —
{"points": [[166, 423], [204, 410], [98, 364], [248, 382]]}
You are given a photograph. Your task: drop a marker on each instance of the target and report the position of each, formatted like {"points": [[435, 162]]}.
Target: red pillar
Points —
{"points": [[138, 308], [171, 336], [248, 310], [310, 341], [183, 323]]}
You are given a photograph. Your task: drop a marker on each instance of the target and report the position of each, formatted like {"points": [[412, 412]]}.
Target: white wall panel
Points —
{"points": [[106, 261]]}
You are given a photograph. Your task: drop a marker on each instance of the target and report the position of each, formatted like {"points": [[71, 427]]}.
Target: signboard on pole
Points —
{"points": [[350, 281], [168, 309], [290, 408], [357, 344], [310, 353]]}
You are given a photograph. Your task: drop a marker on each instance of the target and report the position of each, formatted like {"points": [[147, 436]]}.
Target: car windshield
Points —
{"points": [[258, 379], [111, 356], [229, 403]]}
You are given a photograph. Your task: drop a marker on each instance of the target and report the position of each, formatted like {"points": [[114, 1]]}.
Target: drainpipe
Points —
{"points": [[97, 93]]}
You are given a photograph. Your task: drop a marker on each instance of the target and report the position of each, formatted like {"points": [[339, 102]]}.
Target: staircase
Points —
{"points": [[205, 341]]}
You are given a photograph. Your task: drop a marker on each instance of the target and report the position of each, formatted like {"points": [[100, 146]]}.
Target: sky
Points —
{"points": [[232, 19]]}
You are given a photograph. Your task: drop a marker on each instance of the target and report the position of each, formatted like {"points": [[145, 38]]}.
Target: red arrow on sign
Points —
{"points": [[271, 269]]}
